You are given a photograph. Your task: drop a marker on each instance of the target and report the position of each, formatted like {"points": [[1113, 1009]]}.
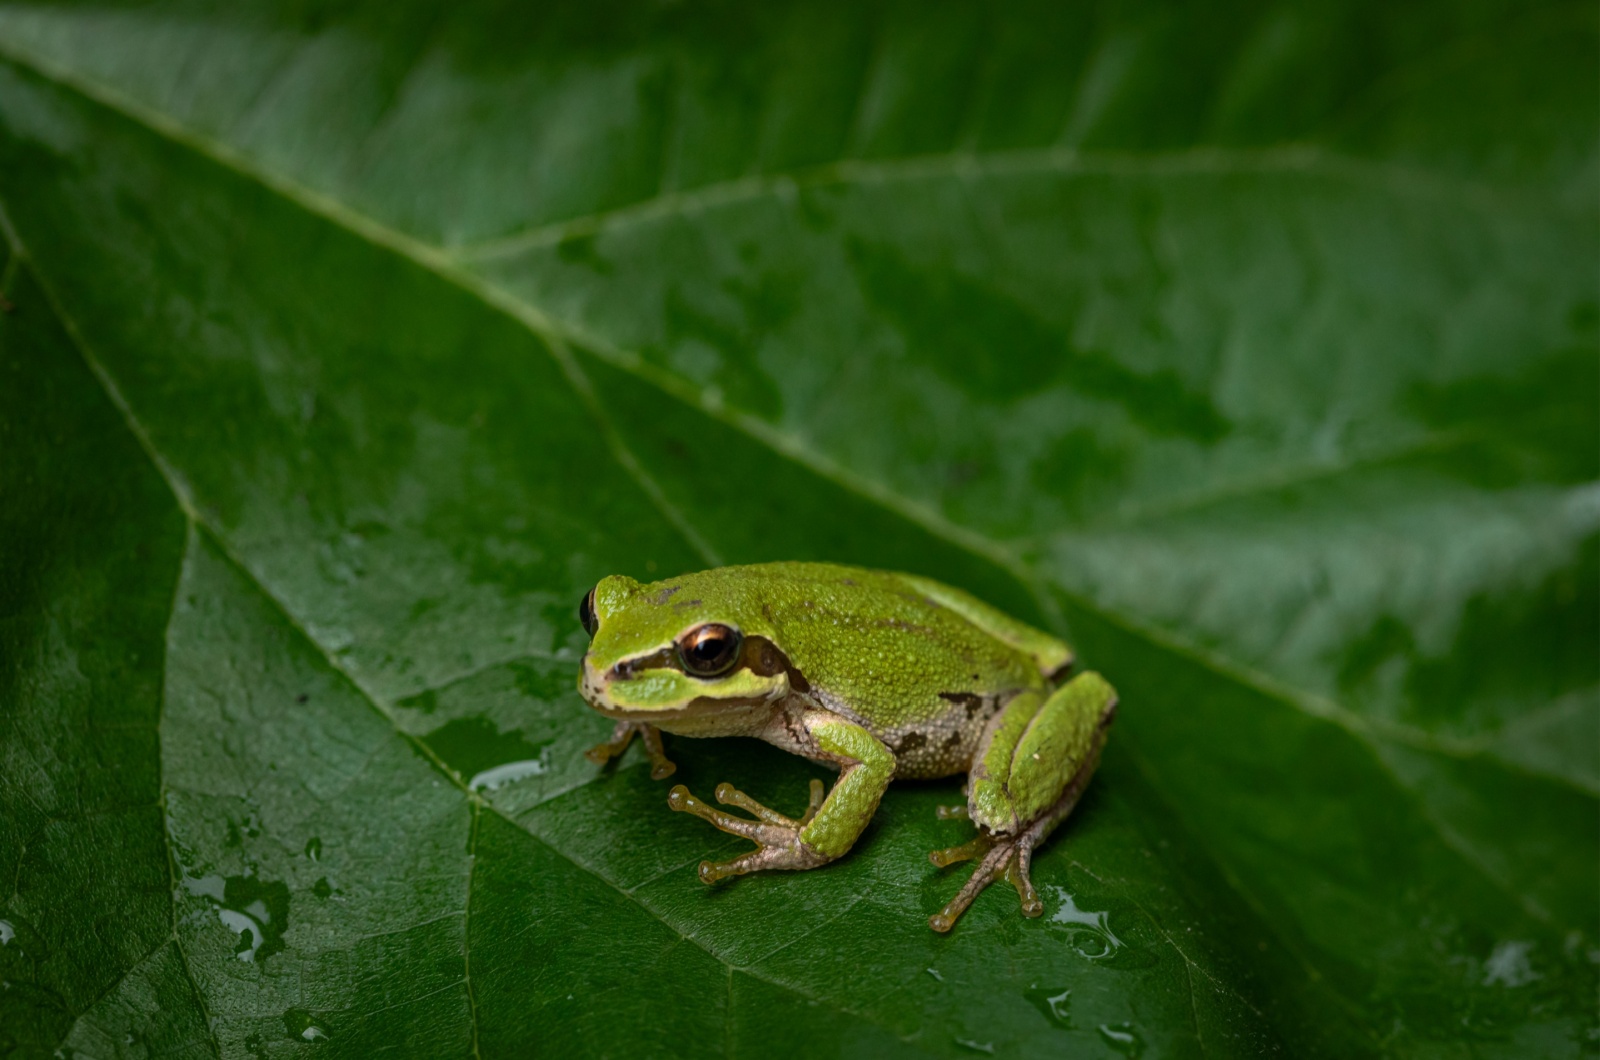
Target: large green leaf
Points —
{"points": [[1252, 347]]}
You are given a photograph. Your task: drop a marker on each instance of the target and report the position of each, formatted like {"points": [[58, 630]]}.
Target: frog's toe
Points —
{"points": [[729, 795], [680, 799], [661, 767], [818, 792], [975, 848], [621, 737], [991, 868], [1009, 858], [1017, 871], [712, 871], [953, 813], [773, 857]]}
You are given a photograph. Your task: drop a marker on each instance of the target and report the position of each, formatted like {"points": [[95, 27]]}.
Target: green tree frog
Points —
{"points": [[876, 674]]}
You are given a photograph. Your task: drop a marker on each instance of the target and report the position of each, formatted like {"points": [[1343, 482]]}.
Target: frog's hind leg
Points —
{"points": [[1035, 760]]}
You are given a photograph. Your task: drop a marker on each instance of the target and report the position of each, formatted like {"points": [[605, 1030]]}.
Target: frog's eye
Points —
{"points": [[586, 614], [709, 650]]}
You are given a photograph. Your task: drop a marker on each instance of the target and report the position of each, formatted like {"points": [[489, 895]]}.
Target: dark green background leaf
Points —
{"points": [[1251, 347]]}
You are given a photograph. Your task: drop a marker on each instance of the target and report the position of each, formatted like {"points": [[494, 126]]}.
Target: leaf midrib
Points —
{"points": [[555, 334], [161, 715], [466, 918]]}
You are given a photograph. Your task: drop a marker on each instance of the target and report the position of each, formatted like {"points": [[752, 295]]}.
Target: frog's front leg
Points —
{"points": [[828, 828], [660, 766], [1035, 759]]}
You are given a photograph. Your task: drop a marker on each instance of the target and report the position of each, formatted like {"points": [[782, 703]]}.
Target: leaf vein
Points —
{"points": [[1297, 160], [466, 928], [173, 890]]}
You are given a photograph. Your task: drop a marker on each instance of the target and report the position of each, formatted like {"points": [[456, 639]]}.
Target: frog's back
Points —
{"points": [[892, 651]]}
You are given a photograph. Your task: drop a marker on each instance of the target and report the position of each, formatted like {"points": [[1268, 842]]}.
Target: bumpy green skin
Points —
{"points": [[1038, 746], [854, 799], [877, 673], [876, 640]]}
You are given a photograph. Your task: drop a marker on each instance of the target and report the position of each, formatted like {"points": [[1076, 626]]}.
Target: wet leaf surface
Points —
{"points": [[347, 348]]}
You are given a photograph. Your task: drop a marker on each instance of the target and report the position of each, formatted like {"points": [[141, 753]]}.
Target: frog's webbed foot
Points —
{"points": [[777, 836], [1009, 858], [660, 766]]}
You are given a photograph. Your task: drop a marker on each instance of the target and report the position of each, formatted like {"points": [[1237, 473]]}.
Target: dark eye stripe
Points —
{"points": [[757, 654], [627, 669]]}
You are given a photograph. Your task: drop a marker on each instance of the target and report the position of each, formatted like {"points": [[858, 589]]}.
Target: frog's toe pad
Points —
{"points": [[712, 871]]}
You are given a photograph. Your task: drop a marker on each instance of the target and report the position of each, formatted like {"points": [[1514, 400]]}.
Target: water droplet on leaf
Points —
{"points": [[510, 773], [256, 910], [1055, 1004], [1089, 931], [302, 1024], [1122, 1038]]}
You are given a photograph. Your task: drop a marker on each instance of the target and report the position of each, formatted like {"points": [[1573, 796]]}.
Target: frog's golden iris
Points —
{"points": [[709, 650]]}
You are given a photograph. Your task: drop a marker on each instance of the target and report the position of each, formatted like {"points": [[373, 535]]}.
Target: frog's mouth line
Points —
{"points": [[698, 707]]}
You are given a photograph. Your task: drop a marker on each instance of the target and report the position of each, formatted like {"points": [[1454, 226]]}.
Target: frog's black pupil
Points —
{"points": [[709, 650], [586, 614]]}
